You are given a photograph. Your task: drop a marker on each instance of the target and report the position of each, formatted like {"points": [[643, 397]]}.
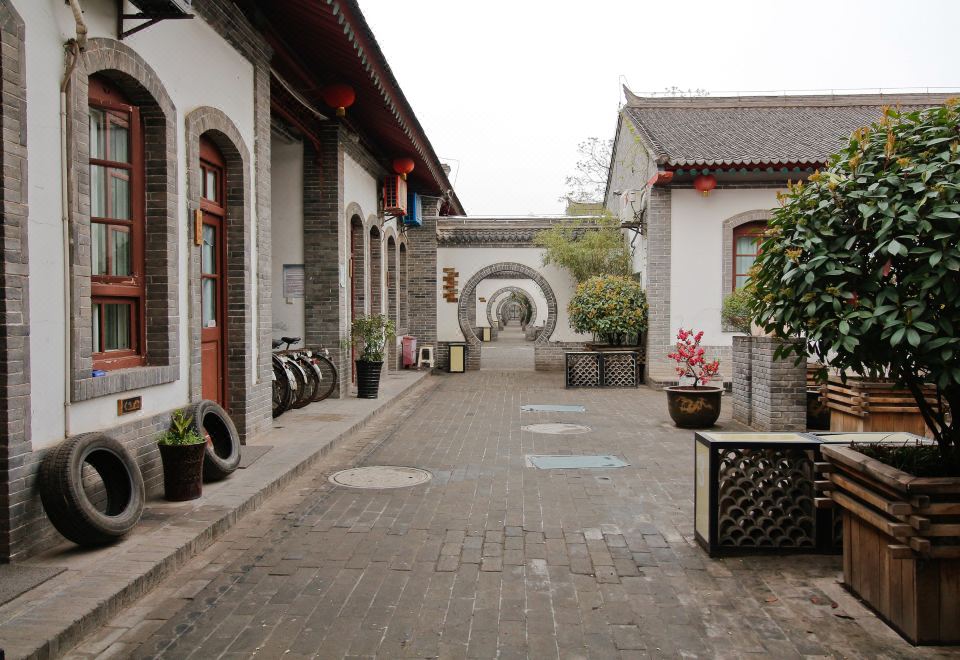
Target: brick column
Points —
{"points": [[742, 362], [660, 336], [778, 389], [422, 277], [324, 250]]}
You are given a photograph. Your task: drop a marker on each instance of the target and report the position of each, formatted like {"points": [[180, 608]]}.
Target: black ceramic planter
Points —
{"points": [[368, 379], [694, 407], [182, 471]]}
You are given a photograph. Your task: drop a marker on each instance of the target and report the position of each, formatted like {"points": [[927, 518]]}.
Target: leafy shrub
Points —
{"points": [[369, 335], [736, 311], [181, 431], [586, 247], [863, 261], [611, 307]]}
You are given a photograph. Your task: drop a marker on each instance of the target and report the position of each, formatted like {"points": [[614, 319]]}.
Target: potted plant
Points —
{"points": [[181, 451], [612, 308], [369, 336], [862, 263], [695, 406]]}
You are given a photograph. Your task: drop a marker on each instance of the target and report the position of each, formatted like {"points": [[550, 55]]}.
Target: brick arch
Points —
{"points": [[356, 259], [729, 225], [508, 269], [140, 83], [215, 125], [493, 297]]}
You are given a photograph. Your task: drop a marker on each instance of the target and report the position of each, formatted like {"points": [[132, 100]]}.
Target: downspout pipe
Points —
{"points": [[73, 48]]}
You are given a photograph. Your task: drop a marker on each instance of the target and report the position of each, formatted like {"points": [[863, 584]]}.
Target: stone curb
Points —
{"points": [[102, 607]]}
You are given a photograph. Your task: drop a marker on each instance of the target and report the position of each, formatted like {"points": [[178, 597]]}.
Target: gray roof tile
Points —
{"points": [[756, 130]]}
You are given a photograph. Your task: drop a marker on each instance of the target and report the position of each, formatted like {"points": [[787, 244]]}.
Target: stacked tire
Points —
{"points": [[223, 443]]}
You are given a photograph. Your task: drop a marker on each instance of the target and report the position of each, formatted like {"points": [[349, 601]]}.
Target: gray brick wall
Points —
{"points": [[550, 356], [660, 336], [14, 284], [324, 238], [778, 389], [742, 388]]}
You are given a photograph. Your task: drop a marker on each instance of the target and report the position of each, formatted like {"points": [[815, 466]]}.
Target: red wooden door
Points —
{"points": [[213, 319]]}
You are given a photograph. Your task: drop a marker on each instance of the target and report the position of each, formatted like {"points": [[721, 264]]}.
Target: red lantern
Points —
{"points": [[403, 166], [705, 183], [339, 96]]}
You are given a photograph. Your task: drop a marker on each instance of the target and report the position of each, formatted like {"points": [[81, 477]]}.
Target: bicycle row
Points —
{"points": [[300, 376]]}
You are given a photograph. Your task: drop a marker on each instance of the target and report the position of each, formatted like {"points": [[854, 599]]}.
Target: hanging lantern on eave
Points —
{"points": [[705, 183], [403, 166], [339, 96]]}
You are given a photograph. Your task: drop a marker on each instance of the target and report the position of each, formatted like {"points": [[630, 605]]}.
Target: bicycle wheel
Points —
{"points": [[281, 390], [328, 373], [313, 378], [299, 396]]}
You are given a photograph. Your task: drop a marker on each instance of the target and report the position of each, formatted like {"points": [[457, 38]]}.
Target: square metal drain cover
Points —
{"points": [[567, 462], [551, 407]]}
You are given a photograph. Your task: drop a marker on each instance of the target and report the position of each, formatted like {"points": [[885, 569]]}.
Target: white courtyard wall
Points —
{"points": [[467, 261], [286, 175], [696, 278]]}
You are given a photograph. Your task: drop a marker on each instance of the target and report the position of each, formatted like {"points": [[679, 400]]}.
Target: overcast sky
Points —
{"points": [[507, 88]]}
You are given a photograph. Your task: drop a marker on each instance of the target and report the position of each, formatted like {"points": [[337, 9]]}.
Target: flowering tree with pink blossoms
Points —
{"points": [[690, 358]]}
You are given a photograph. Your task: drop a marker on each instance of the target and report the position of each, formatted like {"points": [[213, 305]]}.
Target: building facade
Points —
{"points": [[169, 211], [694, 181]]}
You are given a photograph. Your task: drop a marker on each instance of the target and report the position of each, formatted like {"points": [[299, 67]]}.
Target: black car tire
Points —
{"points": [[66, 501], [223, 448]]}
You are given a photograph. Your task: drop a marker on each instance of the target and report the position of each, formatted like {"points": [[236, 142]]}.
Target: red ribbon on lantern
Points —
{"points": [[705, 183], [403, 166], [339, 96]]}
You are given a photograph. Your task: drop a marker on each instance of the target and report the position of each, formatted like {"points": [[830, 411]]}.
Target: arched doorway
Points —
{"points": [[376, 281], [476, 347], [391, 266], [402, 297], [213, 297]]}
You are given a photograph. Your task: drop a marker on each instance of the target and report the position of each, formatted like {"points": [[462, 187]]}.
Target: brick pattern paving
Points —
{"points": [[493, 558]]}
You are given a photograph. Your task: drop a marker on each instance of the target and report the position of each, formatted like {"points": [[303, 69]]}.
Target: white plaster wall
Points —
{"points": [[487, 288], [696, 264], [201, 70], [286, 179], [469, 260], [360, 188]]}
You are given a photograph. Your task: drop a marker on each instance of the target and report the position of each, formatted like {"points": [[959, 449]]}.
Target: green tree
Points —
{"points": [[613, 308], [586, 247], [863, 261]]}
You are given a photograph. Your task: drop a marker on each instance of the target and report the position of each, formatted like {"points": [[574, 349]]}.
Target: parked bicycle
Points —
{"points": [[300, 376]]}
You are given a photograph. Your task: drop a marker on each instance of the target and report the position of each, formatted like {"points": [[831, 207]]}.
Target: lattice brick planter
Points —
{"points": [[602, 369]]}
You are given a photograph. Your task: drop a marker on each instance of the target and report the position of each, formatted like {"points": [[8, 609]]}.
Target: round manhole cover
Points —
{"points": [[557, 429], [380, 476]]}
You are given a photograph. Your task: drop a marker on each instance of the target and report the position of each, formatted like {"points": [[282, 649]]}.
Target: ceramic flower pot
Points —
{"points": [[368, 379], [694, 407], [182, 471]]}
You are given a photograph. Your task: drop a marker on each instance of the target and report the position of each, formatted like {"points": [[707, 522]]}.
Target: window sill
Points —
{"points": [[123, 380]]}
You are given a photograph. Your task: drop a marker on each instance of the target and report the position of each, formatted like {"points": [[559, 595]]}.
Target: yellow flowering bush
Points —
{"points": [[611, 307]]}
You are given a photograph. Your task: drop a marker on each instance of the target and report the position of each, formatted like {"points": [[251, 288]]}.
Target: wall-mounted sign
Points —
{"points": [[293, 280], [126, 406], [450, 291]]}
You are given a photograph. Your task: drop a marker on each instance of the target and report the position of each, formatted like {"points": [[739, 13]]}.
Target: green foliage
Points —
{"points": [[586, 247], [611, 307], [737, 311], [864, 260], [525, 303], [181, 431], [369, 335]]}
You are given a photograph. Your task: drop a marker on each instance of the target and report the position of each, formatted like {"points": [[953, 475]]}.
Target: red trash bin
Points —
{"points": [[409, 351]]}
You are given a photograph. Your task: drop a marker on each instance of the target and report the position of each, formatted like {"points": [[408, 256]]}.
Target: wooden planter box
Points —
{"points": [[863, 405], [901, 543]]}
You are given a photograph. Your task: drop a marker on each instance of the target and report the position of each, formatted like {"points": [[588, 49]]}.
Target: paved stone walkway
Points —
{"points": [[510, 352], [493, 558]]}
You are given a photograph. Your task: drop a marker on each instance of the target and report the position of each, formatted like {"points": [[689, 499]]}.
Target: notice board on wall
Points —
{"points": [[293, 280]]}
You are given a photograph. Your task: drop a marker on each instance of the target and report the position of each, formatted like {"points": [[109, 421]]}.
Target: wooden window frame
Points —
{"points": [[748, 229], [131, 289]]}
